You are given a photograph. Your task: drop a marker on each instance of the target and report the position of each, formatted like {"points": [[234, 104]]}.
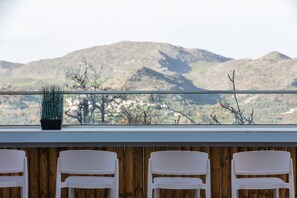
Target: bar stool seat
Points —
{"points": [[11, 181], [178, 183], [89, 182], [260, 183]]}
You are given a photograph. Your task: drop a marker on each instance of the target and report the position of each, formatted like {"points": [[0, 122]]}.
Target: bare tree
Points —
{"points": [[237, 112], [87, 78], [165, 105], [141, 112], [141, 115]]}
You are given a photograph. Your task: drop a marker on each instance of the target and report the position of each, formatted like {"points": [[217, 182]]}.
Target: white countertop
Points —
{"points": [[160, 135]]}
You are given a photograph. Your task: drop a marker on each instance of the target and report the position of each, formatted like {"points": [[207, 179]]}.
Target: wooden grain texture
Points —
{"points": [[226, 172], [147, 153], [138, 173], [133, 166], [52, 169], [43, 172], [128, 172], [33, 169], [215, 158], [5, 192]]}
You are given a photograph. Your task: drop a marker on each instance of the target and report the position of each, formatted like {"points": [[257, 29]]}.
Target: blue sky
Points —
{"points": [[38, 29]]}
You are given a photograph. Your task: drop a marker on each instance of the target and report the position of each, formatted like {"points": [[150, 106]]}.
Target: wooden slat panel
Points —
{"points": [[133, 164], [226, 173], [128, 179], [33, 167], [43, 172], [147, 152], [215, 158], [5, 192], [15, 192], [52, 160], [138, 172]]}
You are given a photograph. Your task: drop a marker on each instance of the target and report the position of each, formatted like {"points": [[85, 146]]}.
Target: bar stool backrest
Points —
{"points": [[179, 163], [12, 161], [87, 162], [261, 162]]}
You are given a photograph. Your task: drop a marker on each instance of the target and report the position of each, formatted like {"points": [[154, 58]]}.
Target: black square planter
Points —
{"points": [[51, 124]]}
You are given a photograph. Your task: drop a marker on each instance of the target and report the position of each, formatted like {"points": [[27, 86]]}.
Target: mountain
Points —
{"points": [[121, 61], [274, 56], [148, 79], [163, 65], [7, 67], [272, 71]]}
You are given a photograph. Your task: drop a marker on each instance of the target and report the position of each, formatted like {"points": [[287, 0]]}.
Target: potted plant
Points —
{"points": [[51, 108]]}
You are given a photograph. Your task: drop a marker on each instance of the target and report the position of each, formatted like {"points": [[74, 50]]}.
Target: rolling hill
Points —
{"points": [[120, 62]]}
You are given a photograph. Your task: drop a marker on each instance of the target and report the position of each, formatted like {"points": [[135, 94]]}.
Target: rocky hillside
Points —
{"points": [[163, 65], [121, 62], [272, 71], [7, 67]]}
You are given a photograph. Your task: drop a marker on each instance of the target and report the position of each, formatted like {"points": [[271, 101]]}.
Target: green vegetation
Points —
{"points": [[52, 103], [201, 67]]}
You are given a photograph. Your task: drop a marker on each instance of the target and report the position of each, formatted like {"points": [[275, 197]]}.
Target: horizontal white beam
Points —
{"points": [[174, 135]]}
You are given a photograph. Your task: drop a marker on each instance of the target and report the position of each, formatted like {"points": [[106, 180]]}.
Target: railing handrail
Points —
{"points": [[158, 92]]}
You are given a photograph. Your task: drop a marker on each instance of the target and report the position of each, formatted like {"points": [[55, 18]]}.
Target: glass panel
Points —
{"points": [[156, 109]]}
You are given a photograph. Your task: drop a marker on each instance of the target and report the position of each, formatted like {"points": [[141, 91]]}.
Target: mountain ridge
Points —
{"points": [[119, 61], [122, 61], [274, 56]]}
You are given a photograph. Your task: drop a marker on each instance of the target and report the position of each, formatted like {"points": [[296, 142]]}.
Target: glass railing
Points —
{"points": [[156, 107]]}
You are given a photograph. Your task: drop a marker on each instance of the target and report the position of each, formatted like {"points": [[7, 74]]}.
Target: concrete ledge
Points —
{"points": [[173, 135]]}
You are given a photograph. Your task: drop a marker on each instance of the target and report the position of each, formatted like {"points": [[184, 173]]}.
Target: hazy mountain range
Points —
{"points": [[158, 66]]}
